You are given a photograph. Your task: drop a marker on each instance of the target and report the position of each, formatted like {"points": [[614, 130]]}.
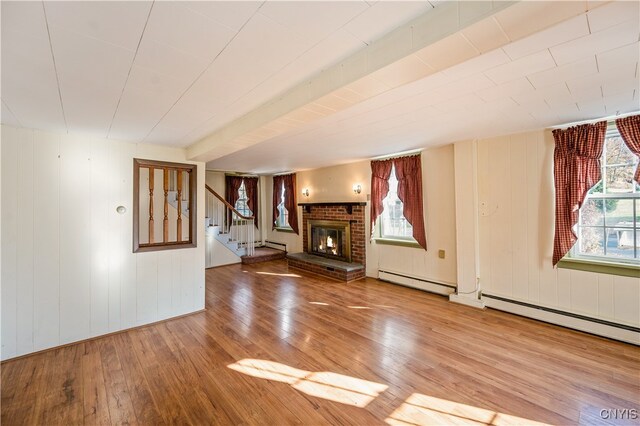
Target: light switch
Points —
{"points": [[441, 254]]}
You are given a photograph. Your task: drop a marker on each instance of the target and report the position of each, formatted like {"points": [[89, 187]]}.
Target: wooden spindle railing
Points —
{"points": [[165, 222], [179, 200], [240, 230], [151, 226], [165, 231]]}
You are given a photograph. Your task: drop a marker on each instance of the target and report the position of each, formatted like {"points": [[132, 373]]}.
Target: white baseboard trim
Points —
{"points": [[420, 284], [469, 301], [576, 322]]}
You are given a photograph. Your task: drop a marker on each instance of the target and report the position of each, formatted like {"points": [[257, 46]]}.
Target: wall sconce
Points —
{"points": [[357, 188], [305, 192]]}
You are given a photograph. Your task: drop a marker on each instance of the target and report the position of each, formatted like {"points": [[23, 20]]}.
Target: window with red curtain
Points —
{"points": [[284, 207], [398, 209], [251, 189], [608, 225], [231, 194]]}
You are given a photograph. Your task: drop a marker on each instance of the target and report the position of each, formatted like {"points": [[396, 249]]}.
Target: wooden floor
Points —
{"points": [[276, 346]]}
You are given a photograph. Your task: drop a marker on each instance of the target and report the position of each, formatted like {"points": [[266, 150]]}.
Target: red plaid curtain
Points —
{"points": [[409, 175], [380, 173], [277, 195], [290, 200], [251, 186], [232, 185], [576, 170], [629, 128]]}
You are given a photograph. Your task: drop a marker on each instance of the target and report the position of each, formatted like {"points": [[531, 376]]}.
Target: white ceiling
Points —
{"points": [[173, 72]]}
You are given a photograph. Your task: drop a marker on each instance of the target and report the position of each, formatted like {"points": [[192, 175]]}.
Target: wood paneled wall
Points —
{"points": [[516, 225], [68, 271]]}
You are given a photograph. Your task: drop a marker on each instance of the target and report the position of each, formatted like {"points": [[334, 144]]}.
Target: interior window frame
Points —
{"points": [[192, 240]]}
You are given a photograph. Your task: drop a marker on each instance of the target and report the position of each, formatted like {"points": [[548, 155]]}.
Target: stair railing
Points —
{"points": [[239, 228]]}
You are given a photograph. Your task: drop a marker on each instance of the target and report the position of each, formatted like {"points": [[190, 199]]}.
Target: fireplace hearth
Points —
{"points": [[329, 238]]}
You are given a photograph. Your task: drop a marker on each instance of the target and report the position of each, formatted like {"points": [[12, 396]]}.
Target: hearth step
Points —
{"points": [[264, 254]]}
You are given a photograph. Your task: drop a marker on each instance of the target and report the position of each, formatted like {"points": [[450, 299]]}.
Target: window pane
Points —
{"points": [[638, 213], [393, 223], [619, 212], [620, 179], [618, 152], [620, 242], [591, 212], [597, 188], [591, 241]]}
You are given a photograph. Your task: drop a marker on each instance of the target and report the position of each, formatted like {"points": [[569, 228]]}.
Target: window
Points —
{"points": [[392, 223], [241, 204], [282, 221], [609, 222]]}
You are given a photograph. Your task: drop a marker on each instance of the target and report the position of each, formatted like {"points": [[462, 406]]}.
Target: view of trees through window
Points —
{"points": [[283, 214], [241, 204], [392, 222], [609, 222]]}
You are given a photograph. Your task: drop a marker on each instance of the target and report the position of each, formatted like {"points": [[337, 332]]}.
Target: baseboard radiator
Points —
{"points": [[275, 245], [415, 282], [600, 327]]}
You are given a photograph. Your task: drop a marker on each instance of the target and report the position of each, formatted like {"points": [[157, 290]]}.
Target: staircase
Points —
{"points": [[228, 226]]}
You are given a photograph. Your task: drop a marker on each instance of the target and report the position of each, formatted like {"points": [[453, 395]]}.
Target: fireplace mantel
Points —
{"points": [[348, 205]]}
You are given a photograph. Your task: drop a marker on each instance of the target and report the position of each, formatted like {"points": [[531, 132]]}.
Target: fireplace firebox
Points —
{"points": [[329, 238]]}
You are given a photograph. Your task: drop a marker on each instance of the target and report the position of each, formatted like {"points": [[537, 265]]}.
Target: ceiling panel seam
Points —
{"points": [[135, 55], [12, 113], [205, 69], [55, 68]]}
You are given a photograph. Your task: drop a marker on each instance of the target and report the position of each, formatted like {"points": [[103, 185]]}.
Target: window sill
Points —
{"points": [[601, 267], [289, 230], [394, 242]]}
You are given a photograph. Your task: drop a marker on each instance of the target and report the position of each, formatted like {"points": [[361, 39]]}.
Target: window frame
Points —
{"points": [[397, 240], [607, 264], [192, 170]]}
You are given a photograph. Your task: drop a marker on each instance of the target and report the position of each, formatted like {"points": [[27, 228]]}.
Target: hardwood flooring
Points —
{"points": [[277, 346]]}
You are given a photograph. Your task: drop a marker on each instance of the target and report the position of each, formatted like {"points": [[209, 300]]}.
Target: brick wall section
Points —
{"points": [[358, 239]]}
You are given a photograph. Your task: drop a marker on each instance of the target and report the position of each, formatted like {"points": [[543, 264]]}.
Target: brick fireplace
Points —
{"points": [[337, 246]]}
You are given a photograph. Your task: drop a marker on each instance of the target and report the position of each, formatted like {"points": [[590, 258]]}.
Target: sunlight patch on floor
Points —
{"points": [[278, 275], [327, 385], [319, 303], [421, 409], [359, 307]]}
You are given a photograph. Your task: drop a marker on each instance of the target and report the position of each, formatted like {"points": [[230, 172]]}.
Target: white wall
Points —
{"points": [[68, 270], [516, 226]]}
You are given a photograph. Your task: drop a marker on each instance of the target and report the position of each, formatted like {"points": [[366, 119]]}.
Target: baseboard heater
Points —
{"points": [[418, 283], [600, 327], [279, 246]]}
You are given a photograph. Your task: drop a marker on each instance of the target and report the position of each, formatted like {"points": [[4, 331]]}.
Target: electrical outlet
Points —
{"points": [[441, 254]]}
